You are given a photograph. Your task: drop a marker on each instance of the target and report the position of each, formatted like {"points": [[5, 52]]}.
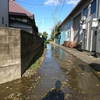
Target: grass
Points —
{"points": [[36, 64]]}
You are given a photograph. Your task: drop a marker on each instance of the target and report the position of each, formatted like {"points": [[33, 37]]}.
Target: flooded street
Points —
{"points": [[78, 82]]}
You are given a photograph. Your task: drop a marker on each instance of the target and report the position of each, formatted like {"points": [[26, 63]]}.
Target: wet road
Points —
{"points": [[78, 80], [50, 72]]}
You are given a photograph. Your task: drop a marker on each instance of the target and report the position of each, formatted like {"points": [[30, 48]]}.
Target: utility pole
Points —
{"points": [[55, 22], [42, 24]]}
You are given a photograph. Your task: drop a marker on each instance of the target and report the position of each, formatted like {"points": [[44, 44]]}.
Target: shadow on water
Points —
{"points": [[56, 93]]}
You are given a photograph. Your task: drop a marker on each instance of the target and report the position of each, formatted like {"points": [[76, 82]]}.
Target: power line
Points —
{"points": [[62, 8], [29, 3]]}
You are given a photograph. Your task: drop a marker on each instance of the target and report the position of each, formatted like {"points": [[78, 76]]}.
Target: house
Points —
{"points": [[81, 26], [4, 13], [21, 18]]}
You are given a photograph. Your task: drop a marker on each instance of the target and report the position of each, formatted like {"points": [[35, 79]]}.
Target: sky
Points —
{"points": [[48, 12]]}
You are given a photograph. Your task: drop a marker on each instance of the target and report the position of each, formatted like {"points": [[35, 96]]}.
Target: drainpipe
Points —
{"points": [[97, 8], [97, 15]]}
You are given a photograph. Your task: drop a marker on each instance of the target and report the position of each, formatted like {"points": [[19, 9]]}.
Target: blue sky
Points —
{"points": [[48, 12]]}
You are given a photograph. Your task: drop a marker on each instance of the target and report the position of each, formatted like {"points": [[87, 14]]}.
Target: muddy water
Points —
{"points": [[50, 72], [81, 79], [78, 81]]}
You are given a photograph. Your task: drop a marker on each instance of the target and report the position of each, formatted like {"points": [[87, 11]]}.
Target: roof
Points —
{"points": [[80, 3], [15, 9]]}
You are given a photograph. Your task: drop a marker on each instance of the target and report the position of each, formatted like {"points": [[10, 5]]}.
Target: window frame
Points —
{"points": [[93, 9]]}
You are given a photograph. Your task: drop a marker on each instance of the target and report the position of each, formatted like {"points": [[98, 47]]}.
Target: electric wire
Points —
{"points": [[62, 8], [29, 3]]}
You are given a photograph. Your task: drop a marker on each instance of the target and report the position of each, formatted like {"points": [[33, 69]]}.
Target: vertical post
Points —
{"points": [[55, 22], [42, 24]]}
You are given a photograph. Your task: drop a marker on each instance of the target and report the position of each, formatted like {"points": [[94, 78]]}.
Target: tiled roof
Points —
{"points": [[16, 9]]}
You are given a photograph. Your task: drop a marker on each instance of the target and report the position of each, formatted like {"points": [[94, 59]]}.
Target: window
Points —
{"points": [[69, 24], [24, 20], [19, 19], [85, 11], [68, 34], [2, 20], [13, 18], [93, 7]]}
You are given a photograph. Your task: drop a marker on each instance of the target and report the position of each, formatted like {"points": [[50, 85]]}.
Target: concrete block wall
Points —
{"points": [[30, 45], [17, 49], [10, 65]]}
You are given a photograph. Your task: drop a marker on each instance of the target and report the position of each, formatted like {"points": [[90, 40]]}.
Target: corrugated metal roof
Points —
{"points": [[16, 9]]}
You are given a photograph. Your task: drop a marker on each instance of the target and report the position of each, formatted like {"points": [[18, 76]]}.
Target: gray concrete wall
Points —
{"points": [[17, 49], [10, 65]]}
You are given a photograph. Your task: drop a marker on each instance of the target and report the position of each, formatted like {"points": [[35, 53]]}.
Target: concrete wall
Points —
{"points": [[30, 46], [10, 62], [17, 49], [4, 12]]}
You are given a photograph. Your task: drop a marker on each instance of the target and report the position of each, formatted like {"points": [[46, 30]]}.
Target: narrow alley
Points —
{"points": [[78, 82]]}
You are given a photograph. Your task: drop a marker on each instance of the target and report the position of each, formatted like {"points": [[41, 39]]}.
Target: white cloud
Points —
{"points": [[57, 2], [52, 2], [72, 1]]}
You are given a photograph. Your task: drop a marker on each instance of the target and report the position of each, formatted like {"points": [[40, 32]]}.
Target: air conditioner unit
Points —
{"points": [[95, 22], [84, 26]]}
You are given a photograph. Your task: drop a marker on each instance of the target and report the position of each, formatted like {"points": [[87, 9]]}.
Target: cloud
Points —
{"points": [[51, 2], [57, 2], [72, 1]]}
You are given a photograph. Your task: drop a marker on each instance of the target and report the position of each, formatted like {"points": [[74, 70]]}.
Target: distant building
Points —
{"points": [[4, 13], [78, 29], [21, 18]]}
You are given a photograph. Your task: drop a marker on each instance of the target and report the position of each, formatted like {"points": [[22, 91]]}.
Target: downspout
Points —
{"points": [[97, 8], [97, 15]]}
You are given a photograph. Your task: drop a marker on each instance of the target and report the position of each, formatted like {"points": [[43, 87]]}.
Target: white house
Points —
{"points": [[81, 26], [4, 13]]}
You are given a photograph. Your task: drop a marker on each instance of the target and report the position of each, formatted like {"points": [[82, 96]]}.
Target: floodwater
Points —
{"points": [[78, 82]]}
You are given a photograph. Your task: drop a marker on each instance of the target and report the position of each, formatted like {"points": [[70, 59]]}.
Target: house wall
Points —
{"points": [[76, 31], [4, 13], [87, 37], [17, 50]]}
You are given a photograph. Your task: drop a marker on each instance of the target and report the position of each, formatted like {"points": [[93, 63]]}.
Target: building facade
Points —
{"points": [[4, 13], [21, 18], [79, 26]]}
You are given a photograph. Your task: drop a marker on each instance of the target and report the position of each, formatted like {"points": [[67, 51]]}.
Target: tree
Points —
{"points": [[45, 34], [44, 38], [54, 30], [39, 34]]}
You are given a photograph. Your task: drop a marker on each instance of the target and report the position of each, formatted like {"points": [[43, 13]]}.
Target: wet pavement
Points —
{"points": [[78, 81]]}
